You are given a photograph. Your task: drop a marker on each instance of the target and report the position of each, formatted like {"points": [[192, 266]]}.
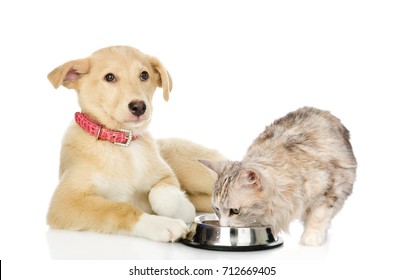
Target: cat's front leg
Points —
{"points": [[316, 224], [167, 199], [313, 237]]}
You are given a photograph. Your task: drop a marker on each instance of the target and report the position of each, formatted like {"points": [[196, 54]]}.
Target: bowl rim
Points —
{"points": [[211, 217]]}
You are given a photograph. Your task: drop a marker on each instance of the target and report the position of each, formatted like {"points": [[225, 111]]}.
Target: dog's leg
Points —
{"points": [[160, 228], [81, 210], [167, 199], [201, 201], [182, 156]]}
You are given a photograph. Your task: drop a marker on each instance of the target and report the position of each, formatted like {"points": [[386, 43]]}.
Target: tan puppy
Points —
{"points": [[124, 187]]}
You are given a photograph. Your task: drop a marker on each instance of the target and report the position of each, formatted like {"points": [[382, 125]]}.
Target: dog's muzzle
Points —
{"points": [[137, 108]]}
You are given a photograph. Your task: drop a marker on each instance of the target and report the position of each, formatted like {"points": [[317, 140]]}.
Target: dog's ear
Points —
{"points": [[69, 73], [165, 79]]}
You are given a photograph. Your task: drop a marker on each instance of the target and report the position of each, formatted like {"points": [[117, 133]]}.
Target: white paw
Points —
{"points": [[159, 228], [313, 237], [171, 202]]}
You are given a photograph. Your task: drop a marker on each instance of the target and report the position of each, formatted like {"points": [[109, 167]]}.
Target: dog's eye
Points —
{"points": [[110, 78], [144, 76]]}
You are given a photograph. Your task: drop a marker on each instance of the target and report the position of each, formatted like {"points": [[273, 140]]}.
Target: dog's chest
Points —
{"points": [[129, 173]]}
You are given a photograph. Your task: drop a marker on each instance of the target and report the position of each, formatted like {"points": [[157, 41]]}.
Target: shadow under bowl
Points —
{"points": [[206, 233]]}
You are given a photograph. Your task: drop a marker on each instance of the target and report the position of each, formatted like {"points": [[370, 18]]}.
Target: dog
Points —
{"points": [[114, 177]]}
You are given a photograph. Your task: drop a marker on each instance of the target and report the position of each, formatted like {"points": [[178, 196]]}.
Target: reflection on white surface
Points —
{"points": [[87, 245]]}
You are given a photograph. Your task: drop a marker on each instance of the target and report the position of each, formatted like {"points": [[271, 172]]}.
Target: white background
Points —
{"points": [[236, 66]]}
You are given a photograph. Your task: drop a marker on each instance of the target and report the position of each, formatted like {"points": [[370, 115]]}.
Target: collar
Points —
{"points": [[121, 137]]}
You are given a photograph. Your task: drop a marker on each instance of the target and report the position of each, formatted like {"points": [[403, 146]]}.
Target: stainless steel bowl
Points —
{"points": [[206, 233]]}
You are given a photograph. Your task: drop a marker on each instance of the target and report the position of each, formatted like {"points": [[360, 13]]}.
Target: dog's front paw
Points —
{"points": [[312, 237], [171, 202], [186, 211], [159, 228]]}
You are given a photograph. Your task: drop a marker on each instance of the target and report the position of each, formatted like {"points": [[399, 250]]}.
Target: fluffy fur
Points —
{"points": [[301, 166], [129, 190]]}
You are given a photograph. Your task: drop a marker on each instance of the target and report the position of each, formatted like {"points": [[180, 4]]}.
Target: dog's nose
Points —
{"points": [[137, 108]]}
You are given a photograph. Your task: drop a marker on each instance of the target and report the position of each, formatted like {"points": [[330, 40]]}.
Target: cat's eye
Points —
{"points": [[110, 78], [234, 211], [144, 76]]}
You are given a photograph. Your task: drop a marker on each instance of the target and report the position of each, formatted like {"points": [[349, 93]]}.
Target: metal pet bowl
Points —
{"points": [[206, 233]]}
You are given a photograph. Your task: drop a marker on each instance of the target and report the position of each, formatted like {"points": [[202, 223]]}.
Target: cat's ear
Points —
{"points": [[249, 178], [214, 167]]}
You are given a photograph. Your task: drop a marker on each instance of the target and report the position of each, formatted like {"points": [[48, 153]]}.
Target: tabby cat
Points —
{"points": [[301, 167]]}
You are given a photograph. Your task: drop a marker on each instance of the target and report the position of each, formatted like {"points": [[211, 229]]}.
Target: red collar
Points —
{"points": [[121, 137]]}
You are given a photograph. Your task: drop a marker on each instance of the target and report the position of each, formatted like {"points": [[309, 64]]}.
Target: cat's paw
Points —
{"points": [[313, 237], [171, 202], [159, 228]]}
